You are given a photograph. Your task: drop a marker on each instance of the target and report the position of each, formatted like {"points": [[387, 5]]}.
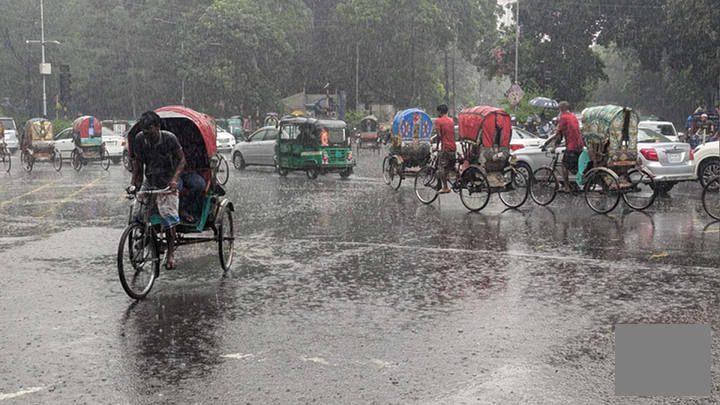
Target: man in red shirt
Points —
{"points": [[570, 129], [446, 138]]}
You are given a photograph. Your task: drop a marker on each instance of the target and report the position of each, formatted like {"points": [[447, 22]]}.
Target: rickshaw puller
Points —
{"points": [[570, 129], [159, 155], [446, 137]]}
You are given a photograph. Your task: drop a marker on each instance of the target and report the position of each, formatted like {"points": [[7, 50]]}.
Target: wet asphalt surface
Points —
{"points": [[342, 292]]}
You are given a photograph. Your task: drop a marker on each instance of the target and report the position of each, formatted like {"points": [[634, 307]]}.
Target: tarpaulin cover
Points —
{"points": [[492, 123], [39, 129], [606, 123], [87, 127], [412, 124]]}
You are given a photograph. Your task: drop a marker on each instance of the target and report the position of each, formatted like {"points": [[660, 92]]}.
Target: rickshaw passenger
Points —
{"points": [[159, 155], [569, 128]]}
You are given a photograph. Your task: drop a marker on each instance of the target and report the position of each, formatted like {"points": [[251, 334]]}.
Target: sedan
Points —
{"points": [[225, 141], [259, 150], [665, 128], [114, 144], [11, 134]]}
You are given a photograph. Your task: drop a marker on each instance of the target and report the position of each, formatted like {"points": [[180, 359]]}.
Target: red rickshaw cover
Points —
{"points": [[88, 127], [495, 123]]}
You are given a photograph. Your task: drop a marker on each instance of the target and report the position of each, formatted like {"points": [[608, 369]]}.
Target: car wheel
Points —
{"points": [[525, 169], [664, 187], [239, 161], [708, 170]]}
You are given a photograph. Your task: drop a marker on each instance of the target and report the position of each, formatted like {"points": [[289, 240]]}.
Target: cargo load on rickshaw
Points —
{"points": [[38, 144]]}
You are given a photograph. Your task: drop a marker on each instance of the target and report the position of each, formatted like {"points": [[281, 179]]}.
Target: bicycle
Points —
{"points": [[5, 156], [472, 184], [711, 197], [602, 187], [223, 170]]}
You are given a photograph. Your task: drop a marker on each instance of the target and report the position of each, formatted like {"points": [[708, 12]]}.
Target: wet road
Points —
{"points": [[342, 292]]}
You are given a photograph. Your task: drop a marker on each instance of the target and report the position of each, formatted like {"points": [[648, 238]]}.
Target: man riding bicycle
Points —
{"points": [[569, 128], [446, 138]]}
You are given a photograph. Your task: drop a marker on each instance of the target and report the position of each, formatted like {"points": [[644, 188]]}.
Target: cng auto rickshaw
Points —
{"points": [[89, 145], [314, 146], [142, 243], [368, 137], [38, 145], [410, 148]]}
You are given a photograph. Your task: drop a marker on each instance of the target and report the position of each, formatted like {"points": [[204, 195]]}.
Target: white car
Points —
{"points": [[225, 141], [11, 134], [707, 158], [114, 144], [665, 128], [258, 150]]}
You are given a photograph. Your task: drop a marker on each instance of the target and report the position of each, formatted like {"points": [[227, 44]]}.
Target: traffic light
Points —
{"points": [[65, 85]]}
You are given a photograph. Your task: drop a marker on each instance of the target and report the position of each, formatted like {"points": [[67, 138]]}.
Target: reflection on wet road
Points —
{"points": [[342, 292]]}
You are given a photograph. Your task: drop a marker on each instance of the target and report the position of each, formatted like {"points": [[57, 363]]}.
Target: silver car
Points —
{"points": [[259, 150], [670, 162], [11, 134]]}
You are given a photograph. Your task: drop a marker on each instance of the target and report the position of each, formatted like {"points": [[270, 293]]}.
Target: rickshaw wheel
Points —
{"points": [[126, 161], [138, 261], [544, 185], [105, 160], [223, 171], [474, 189], [7, 161], [312, 173], [602, 191], [57, 160], [385, 170], [75, 161], [711, 198], [226, 239], [27, 161], [395, 170], [427, 185], [516, 192], [637, 198]]}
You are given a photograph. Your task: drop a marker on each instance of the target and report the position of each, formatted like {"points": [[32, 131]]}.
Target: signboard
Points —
{"points": [[514, 94], [45, 69]]}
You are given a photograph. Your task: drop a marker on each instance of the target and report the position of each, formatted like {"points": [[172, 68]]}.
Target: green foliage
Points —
{"points": [[60, 124], [353, 118], [526, 110]]}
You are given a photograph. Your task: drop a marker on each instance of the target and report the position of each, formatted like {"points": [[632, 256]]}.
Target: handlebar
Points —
{"points": [[132, 191]]}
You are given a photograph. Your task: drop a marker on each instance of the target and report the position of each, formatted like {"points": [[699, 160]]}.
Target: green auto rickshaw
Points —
{"points": [[314, 146]]}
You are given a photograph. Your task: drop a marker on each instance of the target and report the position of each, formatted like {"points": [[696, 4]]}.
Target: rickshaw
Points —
{"points": [[410, 148], [368, 137], [235, 127], [142, 245], [485, 167], [314, 146], [614, 169], [89, 145], [271, 120], [697, 137], [38, 145], [4, 151]]}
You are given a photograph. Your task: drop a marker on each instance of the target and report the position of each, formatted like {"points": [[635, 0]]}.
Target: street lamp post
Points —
{"points": [[44, 68], [517, 42]]}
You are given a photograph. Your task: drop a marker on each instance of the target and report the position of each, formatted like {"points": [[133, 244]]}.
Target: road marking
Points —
{"points": [[73, 194], [20, 393], [29, 193], [712, 231], [318, 360], [614, 240], [238, 356], [660, 255], [382, 363]]}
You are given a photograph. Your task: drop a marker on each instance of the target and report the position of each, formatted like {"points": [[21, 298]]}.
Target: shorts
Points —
{"points": [[570, 160], [166, 205], [446, 161]]}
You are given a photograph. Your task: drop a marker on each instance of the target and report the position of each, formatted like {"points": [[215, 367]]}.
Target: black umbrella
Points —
{"points": [[543, 102]]}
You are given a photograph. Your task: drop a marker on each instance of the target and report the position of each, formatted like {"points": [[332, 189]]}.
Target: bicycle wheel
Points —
{"points": [[544, 186], [474, 189], [223, 171], [602, 192], [395, 170], [7, 161], [516, 189], [76, 160], [138, 261], [27, 161], [226, 239], [711, 198], [57, 160], [641, 192], [427, 185], [385, 170], [105, 159]]}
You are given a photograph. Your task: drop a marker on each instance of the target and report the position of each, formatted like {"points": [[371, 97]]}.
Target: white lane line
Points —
{"points": [[44, 186], [318, 360], [237, 356], [20, 393]]}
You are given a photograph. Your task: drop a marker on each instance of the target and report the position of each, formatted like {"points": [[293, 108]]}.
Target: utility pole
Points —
{"points": [[44, 68], [182, 85], [517, 41], [357, 76]]}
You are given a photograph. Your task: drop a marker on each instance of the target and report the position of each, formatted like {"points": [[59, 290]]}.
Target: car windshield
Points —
{"points": [[220, 129], [663, 129], [523, 134], [649, 136], [8, 124], [109, 132]]}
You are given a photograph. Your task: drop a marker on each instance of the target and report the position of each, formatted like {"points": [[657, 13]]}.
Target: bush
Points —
{"points": [[59, 125]]}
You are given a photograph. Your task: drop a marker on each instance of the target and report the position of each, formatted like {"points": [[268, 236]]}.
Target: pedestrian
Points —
{"points": [[158, 163], [530, 126], [569, 128], [446, 140], [247, 127]]}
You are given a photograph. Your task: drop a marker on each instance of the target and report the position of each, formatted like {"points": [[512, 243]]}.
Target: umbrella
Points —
{"points": [[543, 102]]}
